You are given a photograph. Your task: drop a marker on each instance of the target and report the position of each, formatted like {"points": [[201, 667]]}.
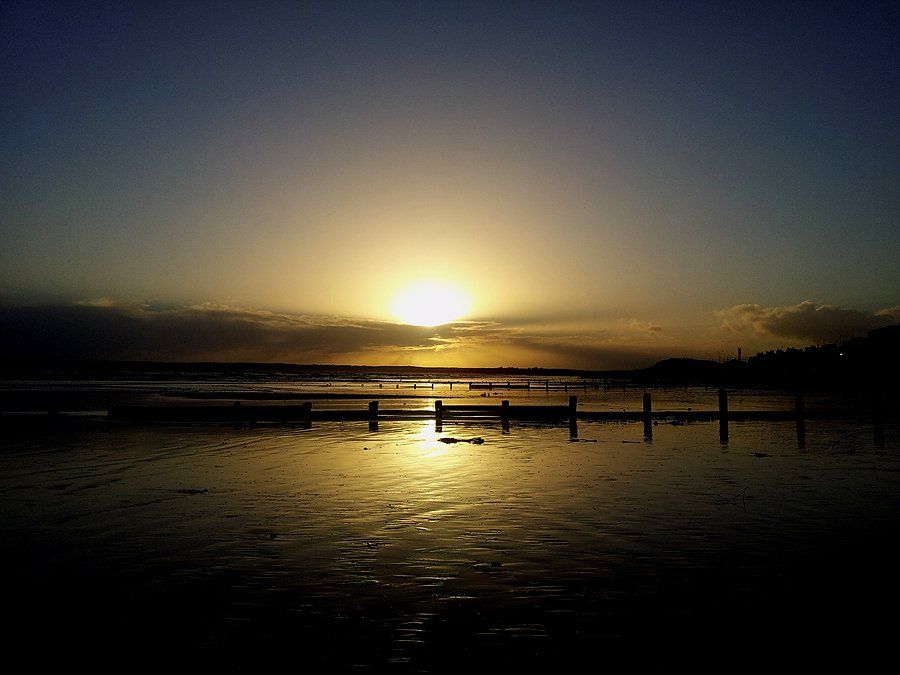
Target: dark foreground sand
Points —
{"points": [[336, 548]]}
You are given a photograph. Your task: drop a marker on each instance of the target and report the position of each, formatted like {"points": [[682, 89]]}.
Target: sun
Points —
{"points": [[429, 303]]}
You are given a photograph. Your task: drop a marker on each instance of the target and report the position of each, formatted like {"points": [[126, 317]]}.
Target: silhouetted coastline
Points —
{"points": [[870, 361]]}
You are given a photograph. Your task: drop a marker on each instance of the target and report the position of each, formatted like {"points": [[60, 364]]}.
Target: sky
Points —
{"points": [[592, 185]]}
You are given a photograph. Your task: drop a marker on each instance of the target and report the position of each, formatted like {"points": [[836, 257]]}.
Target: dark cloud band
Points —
{"points": [[105, 331], [804, 321]]}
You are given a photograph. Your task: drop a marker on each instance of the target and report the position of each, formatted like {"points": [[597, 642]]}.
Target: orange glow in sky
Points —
{"points": [[576, 185]]}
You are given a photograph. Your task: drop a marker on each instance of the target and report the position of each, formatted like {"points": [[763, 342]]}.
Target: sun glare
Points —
{"points": [[429, 303]]}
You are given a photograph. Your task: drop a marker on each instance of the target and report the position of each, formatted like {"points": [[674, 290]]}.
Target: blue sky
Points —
{"points": [[626, 176]]}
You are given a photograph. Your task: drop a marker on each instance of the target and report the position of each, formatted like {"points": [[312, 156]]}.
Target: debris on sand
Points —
{"points": [[496, 563], [631, 441], [192, 491], [760, 454], [742, 496], [477, 440]]}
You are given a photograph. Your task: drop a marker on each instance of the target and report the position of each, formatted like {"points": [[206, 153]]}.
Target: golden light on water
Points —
{"points": [[429, 303]]}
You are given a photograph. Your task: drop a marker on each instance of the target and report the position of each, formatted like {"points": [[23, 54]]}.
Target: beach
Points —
{"points": [[341, 548], [449, 337]]}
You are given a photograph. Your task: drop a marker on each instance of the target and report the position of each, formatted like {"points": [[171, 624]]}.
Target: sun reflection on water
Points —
{"points": [[427, 440]]}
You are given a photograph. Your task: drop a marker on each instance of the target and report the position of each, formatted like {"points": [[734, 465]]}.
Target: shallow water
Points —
{"points": [[340, 547], [97, 396]]}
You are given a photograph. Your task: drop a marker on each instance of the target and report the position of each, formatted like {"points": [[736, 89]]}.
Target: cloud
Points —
{"points": [[627, 344], [803, 321], [100, 302], [644, 326], [197, 333], [106, 330]]}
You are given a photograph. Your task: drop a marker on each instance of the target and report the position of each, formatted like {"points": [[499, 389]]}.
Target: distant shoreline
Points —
{"points": [[871, 362], [85, 368]]}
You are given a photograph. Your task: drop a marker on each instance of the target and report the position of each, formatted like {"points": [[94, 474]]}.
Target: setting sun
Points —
{"points": [[429, 303]]}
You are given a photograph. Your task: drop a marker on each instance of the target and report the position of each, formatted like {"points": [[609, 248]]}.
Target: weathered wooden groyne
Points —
{"points": [[304, 414]]}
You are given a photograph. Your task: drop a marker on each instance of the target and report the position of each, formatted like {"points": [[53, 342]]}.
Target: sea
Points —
{"points": [[412, 546]]}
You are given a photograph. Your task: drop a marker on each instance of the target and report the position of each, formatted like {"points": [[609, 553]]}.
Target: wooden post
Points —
{"points": [[373, 415], [573, 420], [723, 417], [438, 416], [504, 416], [877, 419], [307, 415], [799, 409], [451, 386], [648, 417]]}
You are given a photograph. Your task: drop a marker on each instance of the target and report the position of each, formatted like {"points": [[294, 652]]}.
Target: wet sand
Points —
{"points": [[339, 548]]}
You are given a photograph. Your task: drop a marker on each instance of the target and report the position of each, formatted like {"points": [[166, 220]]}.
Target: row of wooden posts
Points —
{"points": [[304, 414], [546, 385]]}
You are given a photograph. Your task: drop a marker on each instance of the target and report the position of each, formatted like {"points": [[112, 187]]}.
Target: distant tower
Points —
{"points": [[739, 354]]}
